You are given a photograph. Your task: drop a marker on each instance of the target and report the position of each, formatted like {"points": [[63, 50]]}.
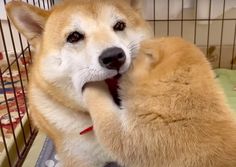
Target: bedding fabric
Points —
{"points": [[227, 80], [47, 157]]}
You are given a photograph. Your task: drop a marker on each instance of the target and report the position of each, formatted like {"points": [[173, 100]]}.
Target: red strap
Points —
{"points": [[89, 129], [1, 56]]}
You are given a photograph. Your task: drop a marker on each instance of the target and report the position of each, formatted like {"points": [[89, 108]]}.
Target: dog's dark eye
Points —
{"points": [[119, 26], [75, 37]]}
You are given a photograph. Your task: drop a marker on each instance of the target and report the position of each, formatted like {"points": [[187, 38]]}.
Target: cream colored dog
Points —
{"points": [[173, 114], [77, 41]]}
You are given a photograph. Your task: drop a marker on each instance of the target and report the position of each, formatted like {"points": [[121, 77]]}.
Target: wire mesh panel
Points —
{"points": [[17, 132], [210, 24]]}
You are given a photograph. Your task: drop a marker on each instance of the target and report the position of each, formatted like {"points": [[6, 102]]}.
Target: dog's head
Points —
{"points": [[169, 58], [80, 41]]}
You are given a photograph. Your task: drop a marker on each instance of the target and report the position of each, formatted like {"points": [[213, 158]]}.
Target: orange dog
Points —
{"points": [[172, 113]]}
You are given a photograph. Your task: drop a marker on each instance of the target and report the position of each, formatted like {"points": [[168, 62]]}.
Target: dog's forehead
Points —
{"points": [[87, 17], [83, 16], [94, 10]]}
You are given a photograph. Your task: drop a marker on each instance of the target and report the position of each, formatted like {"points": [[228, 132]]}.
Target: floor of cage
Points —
{"points": [[35, 150], [13, 145], [13, 89], [12, 109]]}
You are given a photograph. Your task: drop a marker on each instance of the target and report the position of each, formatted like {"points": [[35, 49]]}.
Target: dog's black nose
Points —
{"points": [[112, 58]]}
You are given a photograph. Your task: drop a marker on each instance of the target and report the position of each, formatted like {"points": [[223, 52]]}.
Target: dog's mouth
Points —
{"points": [[113, 86]]}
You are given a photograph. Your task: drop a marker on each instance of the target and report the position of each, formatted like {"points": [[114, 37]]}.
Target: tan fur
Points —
{"points": [[47, 31], [173, 112]]}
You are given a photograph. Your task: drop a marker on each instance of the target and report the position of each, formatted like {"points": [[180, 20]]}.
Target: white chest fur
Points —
{"points": [[71, 124]]}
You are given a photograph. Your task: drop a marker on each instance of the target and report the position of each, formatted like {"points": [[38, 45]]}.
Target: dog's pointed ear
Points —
{"points": [[28, 19], [136, 4], [150, 50]]}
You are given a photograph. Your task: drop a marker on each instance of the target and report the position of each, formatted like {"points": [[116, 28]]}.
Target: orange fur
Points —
{"points": [[173, 112]]}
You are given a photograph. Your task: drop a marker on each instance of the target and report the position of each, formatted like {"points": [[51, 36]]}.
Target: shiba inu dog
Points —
{"points": [[76, 42], [172, 113]]}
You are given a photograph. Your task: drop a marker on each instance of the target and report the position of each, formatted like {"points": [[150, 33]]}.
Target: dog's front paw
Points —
{"points": [[94, 91]]}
